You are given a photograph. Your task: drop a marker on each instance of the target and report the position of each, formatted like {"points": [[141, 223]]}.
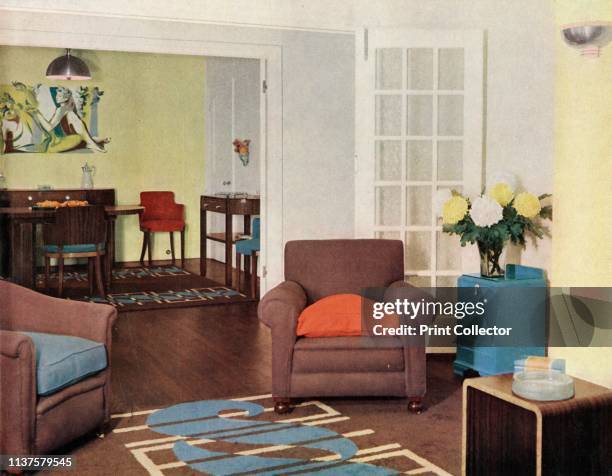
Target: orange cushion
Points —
{"points": [[333, 316]]}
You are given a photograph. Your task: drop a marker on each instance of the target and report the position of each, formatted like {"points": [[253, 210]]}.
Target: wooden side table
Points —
{"points": [[229, 206], [506, 434]]}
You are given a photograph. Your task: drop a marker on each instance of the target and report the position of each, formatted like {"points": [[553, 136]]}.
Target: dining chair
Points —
{"points": [[161, 213], [78, 232], [249, 247]]}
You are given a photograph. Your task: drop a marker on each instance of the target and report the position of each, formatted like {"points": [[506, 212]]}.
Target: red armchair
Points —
{"points": [[161, 213]]}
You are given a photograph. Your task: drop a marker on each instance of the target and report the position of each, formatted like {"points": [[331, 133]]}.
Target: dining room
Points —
{"points": [[131, 142]]}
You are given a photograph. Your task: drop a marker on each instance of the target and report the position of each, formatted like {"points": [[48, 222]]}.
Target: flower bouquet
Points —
{"points": [[492, 219]]}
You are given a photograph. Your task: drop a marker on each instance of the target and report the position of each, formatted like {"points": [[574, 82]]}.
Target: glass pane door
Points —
{"points": [[419, 132]]}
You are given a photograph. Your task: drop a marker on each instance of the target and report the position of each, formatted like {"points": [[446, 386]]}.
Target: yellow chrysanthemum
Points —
{"points": [[527, 204], [454, 209], [501, 193]]}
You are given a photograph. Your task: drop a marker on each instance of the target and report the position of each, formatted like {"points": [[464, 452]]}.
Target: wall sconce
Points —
{"points": [[68, 67], [588, 38]]}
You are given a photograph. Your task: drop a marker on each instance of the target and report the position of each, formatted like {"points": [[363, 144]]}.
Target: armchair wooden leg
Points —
{"points": [[149, 248], [103, 429], [99, 279], [238, 266], [415, 405], [144, 246], [254, 274], [172, 248], [183, 248], [60, 275], [282, 405]]}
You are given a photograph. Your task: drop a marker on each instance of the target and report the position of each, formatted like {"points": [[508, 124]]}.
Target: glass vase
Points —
{"points": [[491, 265]]}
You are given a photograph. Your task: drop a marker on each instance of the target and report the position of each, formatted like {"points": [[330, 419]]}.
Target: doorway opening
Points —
{"points": [[234, 127]]}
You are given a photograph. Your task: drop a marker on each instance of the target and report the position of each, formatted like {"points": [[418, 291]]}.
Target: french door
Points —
{"points": [[419, 129]]}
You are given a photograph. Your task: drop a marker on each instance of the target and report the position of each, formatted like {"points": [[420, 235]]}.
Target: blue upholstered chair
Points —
{"points": [[249, 247], [78, 232], [54, 370]]}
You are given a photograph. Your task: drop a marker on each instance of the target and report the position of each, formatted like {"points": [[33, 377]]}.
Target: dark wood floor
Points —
{"points": [[163, 357]]}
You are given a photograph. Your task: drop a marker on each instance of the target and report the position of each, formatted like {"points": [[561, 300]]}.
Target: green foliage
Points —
{"points": [[512, 227]]}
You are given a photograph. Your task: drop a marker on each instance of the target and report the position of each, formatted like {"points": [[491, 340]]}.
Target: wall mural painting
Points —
{"points": [[49, 119]]}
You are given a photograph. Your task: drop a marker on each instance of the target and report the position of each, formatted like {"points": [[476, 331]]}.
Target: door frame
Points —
{"points": [[30, 29]]}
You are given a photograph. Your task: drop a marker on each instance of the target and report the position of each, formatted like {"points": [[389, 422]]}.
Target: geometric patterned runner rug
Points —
{"points": [[123, 273], [244, 436], [141, 300]]}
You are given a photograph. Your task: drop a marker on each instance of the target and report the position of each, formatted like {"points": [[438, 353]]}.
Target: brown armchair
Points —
{"points": [[340, 366], [31, 424]]}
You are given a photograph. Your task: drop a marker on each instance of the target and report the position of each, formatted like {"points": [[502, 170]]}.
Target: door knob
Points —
{"points": [[227, 182]]}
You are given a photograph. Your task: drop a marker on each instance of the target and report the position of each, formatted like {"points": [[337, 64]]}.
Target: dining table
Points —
{"points": [[23, 223]]}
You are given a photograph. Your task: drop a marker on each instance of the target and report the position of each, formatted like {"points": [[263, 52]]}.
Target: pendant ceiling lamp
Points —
{"points": [[68, 67]]}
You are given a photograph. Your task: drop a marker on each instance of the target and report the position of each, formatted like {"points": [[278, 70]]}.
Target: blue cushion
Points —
{"points": [[64, 360], [247, 247], [87, 248], [256, 226]]}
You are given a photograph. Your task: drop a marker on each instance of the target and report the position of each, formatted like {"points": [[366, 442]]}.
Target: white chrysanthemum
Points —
{"points": [[442, 196], [485, 211], [503, 176]]}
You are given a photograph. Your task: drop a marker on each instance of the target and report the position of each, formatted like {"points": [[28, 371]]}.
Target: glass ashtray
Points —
{"points": [[543, 386]]}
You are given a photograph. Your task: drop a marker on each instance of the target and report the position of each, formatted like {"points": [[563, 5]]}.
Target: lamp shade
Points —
{"points": [[68, 67]]}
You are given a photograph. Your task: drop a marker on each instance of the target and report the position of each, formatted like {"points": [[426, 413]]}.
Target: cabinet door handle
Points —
{"points": [[67, 197], [218, 206], [29, 198]]}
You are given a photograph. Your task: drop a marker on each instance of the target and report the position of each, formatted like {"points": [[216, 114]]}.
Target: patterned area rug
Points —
{"points": [[137, 301], [244, 436], [142, 288], [123, 273]]}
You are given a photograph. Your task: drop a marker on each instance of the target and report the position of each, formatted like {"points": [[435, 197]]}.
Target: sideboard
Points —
{"points": [[18, 234]]}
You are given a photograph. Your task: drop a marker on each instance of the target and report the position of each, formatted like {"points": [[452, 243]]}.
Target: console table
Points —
{"points": [[506, 434], [229, 206]]}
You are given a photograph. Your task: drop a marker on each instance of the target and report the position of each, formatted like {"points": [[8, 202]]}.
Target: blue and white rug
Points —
{"points": [[244, 436]]}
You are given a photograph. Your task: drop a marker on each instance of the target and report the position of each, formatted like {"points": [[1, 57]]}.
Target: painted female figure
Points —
{"points": [[72, 132]]}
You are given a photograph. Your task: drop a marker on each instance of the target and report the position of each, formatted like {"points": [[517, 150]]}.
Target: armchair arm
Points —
{"points": [[179, 210], [17, 393], [27, 310], [279, 309], [282, 305]]}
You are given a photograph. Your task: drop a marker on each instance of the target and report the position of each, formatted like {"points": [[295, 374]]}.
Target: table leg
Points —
{"points": [[23, 260], [203, 232], [247, 262], [110, 251], [228, 248]]}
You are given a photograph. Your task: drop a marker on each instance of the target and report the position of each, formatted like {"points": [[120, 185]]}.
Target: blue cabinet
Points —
{"points": [[517, 301]]}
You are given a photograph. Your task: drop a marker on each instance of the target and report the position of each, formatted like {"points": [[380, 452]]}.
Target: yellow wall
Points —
{"points": [[582, 253], [153, 111]]}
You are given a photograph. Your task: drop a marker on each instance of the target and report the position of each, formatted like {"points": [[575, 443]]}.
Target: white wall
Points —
{"points": [[318, 14], [233, 88], [519, 99]]}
